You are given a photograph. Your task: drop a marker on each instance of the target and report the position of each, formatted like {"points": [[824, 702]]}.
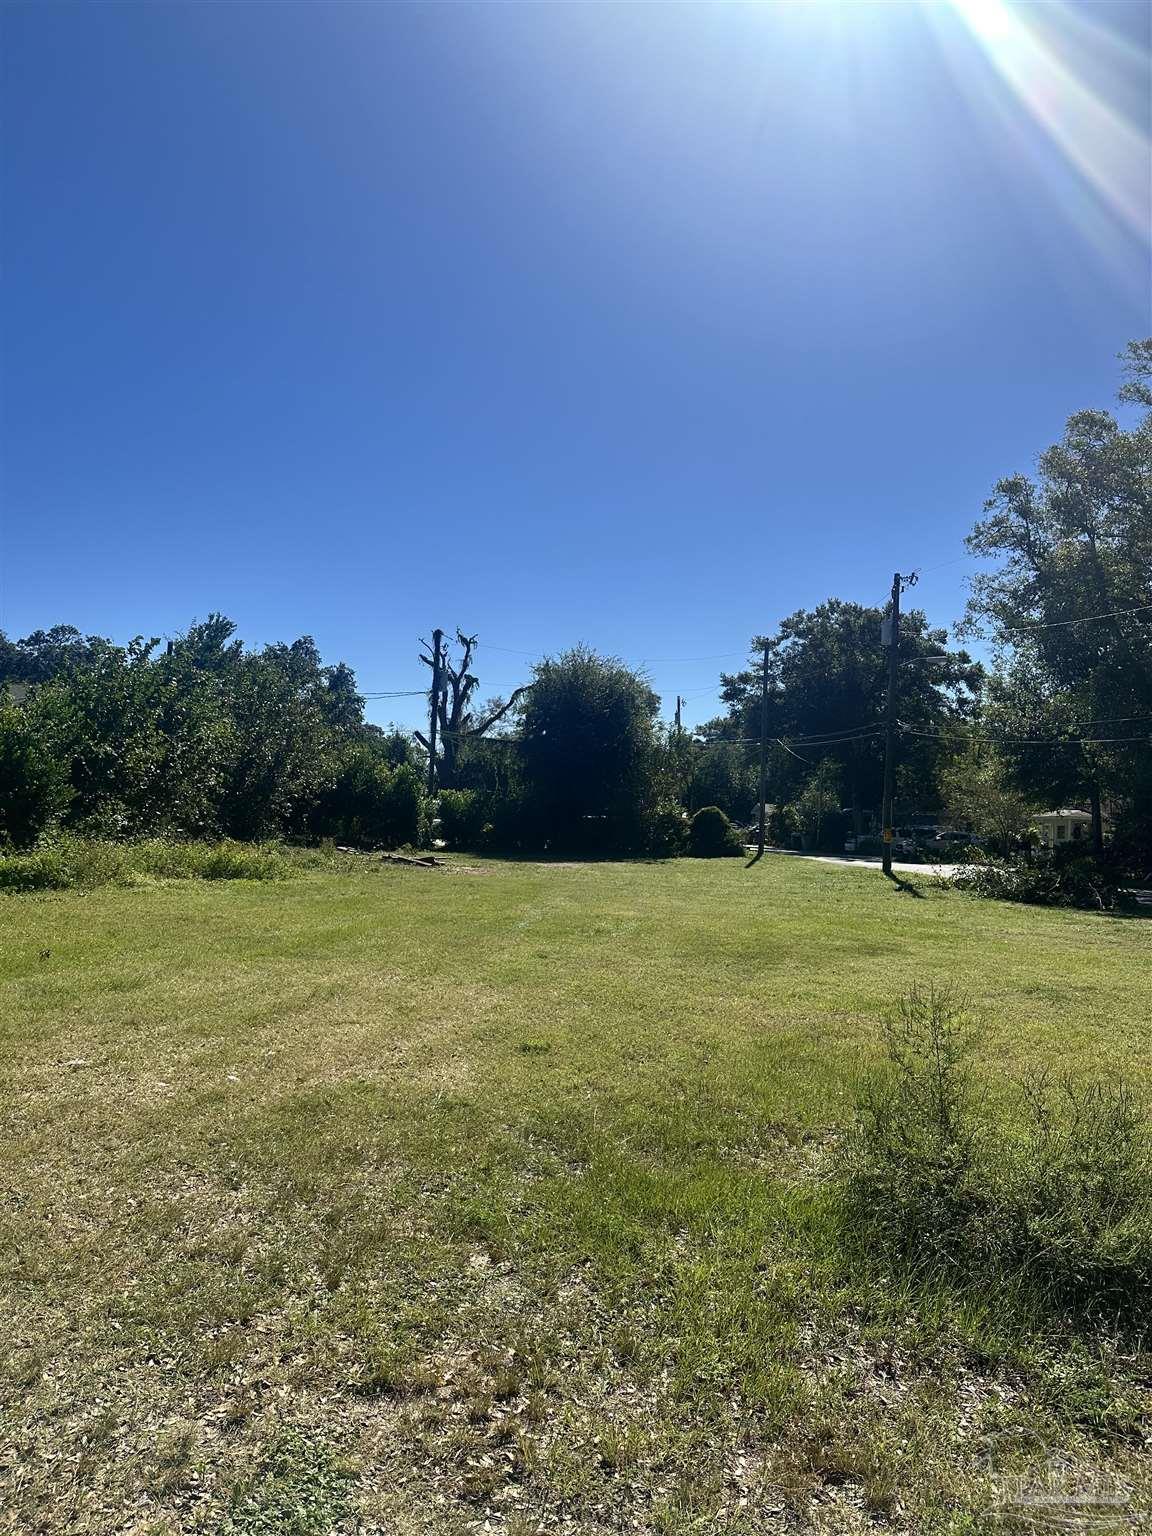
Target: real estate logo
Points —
{"points": [[1083, 1501]]}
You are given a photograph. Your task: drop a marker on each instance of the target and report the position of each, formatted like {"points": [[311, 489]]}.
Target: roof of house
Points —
{"points": [[1068, 815]]}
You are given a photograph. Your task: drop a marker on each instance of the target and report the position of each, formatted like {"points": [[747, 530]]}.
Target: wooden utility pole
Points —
{"points": [[679, 702], [893, 640], [762, 829], [434, 711]]}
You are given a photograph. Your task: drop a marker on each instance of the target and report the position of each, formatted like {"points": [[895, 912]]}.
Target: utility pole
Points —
{"points": [[679, 702], [891, 636], [762, 829], [437, 649]]}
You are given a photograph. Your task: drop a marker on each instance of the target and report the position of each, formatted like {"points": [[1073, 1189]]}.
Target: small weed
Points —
{"points": [[301, 1489]]}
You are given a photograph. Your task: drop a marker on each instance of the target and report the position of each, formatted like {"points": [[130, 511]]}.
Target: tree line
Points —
{"points": [[203, 737]]}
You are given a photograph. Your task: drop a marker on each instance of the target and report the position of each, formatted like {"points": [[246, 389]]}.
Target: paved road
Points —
{"points": [[1143, 898], [945, 871]]}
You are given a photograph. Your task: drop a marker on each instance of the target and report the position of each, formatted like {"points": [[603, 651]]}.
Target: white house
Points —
{"points": [[1059, 827]]}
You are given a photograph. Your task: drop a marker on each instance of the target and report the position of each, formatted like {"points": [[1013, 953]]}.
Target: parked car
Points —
{"points": [[871, 845]]}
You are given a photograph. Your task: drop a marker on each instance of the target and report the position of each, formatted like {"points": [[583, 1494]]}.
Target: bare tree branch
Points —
{"points": [[478, 730]]}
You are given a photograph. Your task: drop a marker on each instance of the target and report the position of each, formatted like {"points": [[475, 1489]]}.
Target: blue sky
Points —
{"points": [[642, 325]]}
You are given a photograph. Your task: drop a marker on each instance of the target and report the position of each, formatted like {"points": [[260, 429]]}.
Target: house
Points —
{"points": [[1057, 828]]}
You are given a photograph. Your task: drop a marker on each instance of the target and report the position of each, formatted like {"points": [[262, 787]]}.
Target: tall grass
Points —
{"points": [[71, 862], [1057, 1206]]}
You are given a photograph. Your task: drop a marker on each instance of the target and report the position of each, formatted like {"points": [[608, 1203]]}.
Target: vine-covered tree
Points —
{"points": [[590, 754]]}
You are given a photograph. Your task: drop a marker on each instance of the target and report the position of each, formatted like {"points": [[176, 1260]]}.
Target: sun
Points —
{"points": [[991, 20]]}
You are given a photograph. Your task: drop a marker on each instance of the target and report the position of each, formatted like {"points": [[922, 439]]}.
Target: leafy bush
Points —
{"points": [[1063, 1206], [34, 789], [1053, 881], [815, 813], [711, 835], [667, 831], [464, 814], [64, 863], [722, 773], [371, 804]]}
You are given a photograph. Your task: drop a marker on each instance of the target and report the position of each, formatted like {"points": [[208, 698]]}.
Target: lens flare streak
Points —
{"points": [[1108, 150]]}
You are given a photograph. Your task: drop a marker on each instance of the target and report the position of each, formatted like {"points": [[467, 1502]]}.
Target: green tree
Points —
{"points": [[980, 791], [370, 802], [722, 773], [47, 653], [1069, 602], [816, 808], [589, 754], [286, 752], [827, 687]]}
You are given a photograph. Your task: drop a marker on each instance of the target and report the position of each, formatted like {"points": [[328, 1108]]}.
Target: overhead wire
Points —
{"points": [[1090, 618], [1027, 741]]}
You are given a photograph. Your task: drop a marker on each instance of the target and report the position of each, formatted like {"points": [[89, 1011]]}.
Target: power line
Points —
{"points": [[1027, 741], [830, 737], [635, 661], [939, 566], [782, 743], [1091, 618], [670, 661]]}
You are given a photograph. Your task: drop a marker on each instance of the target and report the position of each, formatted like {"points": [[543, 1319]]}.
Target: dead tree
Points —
{"points": [[458, 684]]}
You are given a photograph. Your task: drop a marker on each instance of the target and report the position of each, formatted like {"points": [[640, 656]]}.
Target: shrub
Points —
{"points": [[1049, 881], [913, 1158], [1062, 1207], [225, 860], [371, 804], [711, 835], [1080, 1213], [667, 830], [464, 813], [62, 864]]}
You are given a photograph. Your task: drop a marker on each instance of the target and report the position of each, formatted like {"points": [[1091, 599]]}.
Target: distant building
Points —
{"points": [[1059, 827]]}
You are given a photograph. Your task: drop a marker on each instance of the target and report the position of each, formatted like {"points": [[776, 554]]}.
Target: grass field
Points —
{"points": [[497, 1198]]}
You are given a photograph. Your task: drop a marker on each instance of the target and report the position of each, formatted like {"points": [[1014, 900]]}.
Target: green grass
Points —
{"points": [[425, 1198]]}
